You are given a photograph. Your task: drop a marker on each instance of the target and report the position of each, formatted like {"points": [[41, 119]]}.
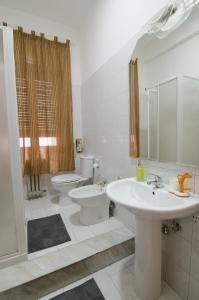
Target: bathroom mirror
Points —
{"points": [[168, 72]]}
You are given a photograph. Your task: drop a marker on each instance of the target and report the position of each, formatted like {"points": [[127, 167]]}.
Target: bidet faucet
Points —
{"points": [[156, 181]]}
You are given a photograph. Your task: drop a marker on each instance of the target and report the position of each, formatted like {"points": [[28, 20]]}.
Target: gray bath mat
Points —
{"points": [[86, 291], [46, 232]]}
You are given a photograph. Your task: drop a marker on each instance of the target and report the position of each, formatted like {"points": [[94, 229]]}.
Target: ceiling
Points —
{"points": [[71, 13]]}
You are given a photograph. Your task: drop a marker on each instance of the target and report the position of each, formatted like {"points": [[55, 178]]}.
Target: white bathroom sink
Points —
{"points": [[147, 202], [150, 206]]}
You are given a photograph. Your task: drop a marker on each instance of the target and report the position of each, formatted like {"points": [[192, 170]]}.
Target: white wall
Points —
{"points": [[110, 25]]}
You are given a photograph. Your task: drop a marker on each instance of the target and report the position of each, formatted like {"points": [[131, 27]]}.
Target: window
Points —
{"points": [[45, 112], [43, 141]]}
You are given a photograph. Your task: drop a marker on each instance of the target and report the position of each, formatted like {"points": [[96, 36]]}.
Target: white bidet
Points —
{"points": [[93, 202]]}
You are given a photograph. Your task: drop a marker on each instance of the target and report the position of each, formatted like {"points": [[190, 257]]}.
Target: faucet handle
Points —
{"points": [[159, 178], [156, 178]]}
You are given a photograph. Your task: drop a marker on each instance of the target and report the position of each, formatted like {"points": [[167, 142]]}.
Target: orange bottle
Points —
{"points": [[181, 180]]}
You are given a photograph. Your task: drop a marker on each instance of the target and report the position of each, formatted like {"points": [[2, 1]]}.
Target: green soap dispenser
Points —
{"points": [[139, 171]]}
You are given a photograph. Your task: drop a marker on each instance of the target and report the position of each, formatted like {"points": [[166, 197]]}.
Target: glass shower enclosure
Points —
{"points": [[169, 121]]}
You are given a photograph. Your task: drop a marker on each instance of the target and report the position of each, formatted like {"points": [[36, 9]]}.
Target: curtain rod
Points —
{"points": [[42, 35]]}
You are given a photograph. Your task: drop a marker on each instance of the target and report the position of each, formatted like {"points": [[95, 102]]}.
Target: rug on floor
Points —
{"points": [[86, 291], [46, 232]]}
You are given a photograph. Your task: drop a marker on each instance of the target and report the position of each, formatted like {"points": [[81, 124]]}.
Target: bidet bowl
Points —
{"points": [[93, 202], [90, 195]]}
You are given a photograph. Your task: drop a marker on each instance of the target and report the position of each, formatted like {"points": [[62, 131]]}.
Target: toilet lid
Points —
{"points": [[66, 178]]}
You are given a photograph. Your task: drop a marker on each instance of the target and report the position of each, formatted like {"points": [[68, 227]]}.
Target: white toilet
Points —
{"points": [[93, 202], [63, 183]]}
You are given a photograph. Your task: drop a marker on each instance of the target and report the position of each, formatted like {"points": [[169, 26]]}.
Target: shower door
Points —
{"points": [[12, 220]]}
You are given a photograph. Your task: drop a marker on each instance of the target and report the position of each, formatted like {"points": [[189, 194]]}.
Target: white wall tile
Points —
{"points": [[178, 252], [177, 279], [194, 272], [197, 184]]}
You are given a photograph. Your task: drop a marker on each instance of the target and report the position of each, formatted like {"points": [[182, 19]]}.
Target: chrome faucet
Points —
{"points": [[156, 181]]}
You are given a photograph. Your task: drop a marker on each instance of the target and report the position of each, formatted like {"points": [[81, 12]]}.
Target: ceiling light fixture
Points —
{"points": [[176, 13]]}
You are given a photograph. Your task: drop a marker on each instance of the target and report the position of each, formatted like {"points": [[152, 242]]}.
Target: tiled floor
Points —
{"points": [[85, 242], [116, 282], [45, 206]]}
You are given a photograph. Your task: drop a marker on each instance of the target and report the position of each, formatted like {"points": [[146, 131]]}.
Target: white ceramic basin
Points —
{"points": [[90, 195], [93, 202], [150, 207], [147, 202]]}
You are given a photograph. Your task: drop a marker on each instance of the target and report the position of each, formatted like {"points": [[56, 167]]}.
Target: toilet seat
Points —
{"points": [[66, 178]]}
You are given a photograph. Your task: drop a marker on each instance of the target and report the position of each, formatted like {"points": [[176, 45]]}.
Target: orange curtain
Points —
{"points": [[43, 81], [134, 108]]}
